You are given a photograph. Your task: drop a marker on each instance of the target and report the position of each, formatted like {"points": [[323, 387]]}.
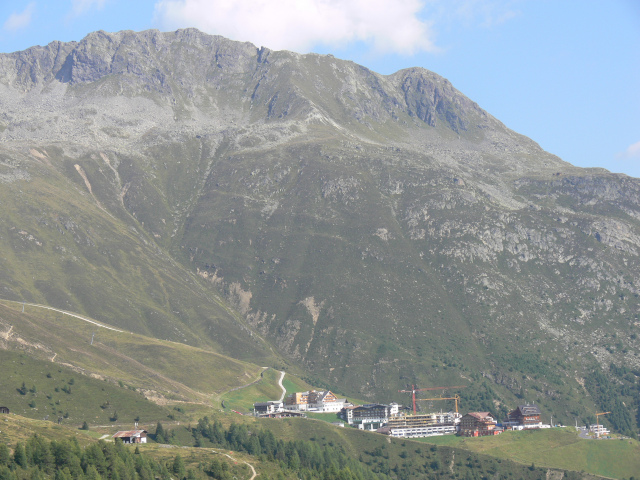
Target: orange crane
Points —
{"points": [[598, 424], [456, 397], [414, 390]]}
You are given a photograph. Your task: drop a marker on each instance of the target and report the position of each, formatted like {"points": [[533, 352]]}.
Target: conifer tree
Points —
{"points": [[160, 433], [20, 456], [178, 467], [5, 455]]}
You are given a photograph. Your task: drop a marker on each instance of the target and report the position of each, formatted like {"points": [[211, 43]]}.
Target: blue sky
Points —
{"points": [[564, 72]]}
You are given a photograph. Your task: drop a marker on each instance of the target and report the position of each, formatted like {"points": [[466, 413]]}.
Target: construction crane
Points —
{"points": [[456, 397], [598, 423], [414, 390]]}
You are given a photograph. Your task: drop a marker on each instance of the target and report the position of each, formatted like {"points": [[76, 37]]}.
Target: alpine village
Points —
{"points": [[389, 420]]}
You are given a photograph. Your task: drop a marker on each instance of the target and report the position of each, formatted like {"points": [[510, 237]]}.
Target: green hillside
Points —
{"points": [[404, 458], [162, 368], [320, 452], [557, 448], [40, 389], [264, 388], [54, 451], [67, 248]]}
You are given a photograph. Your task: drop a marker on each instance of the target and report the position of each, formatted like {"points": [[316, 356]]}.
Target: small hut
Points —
{"points": [[132, 436]]}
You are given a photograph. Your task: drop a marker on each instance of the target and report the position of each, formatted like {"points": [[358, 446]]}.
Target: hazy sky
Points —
{"points": [[564, 72]]}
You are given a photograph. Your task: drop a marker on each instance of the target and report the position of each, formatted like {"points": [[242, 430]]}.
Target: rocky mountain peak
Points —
{"points": [[193, 71]]}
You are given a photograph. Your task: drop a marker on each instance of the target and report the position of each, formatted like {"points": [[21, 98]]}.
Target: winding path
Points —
{"points": [[284, 390], [254, 474], [67, 313], [248, 384], [253, 470]]}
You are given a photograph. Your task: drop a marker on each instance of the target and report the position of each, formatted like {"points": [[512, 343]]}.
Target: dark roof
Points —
{"points": [[367, 406], [529, 409], [266, 404], [373, 405]]}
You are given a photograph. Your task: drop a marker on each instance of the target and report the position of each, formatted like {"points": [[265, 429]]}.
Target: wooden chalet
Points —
{"points": [[478, 424], [526, 415], [4, 409], [321, 397]]}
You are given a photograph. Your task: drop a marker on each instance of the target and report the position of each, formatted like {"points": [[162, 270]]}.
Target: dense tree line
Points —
{"points": [[39, 458], [164, 436], [479, 397], [308, 459], [608, 394], [311, 459]]}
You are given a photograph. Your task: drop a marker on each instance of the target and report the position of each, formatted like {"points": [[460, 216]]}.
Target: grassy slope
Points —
{"points": [[266, 388], [417, 458], [294, 384], [407, 458], [170, 369], [81, 251], [15, 428], [192, 378], [84, 401], [556, 448]]}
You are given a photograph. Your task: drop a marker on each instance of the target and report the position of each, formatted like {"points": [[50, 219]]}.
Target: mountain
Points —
{"points": [[375, 231]]}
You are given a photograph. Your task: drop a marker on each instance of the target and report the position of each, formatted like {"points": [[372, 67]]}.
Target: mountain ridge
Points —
{"points": [[375, 230], [425, 95]]}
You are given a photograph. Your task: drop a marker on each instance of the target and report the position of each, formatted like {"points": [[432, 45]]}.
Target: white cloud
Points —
{"points": [[16, 21], [388, 26], [633, 151], [78, 7]]}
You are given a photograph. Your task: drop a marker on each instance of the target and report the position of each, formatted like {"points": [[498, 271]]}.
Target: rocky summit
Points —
{"points": [[374, 231]]}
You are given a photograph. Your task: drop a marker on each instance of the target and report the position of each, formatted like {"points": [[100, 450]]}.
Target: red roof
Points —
{"points": [[479, 415], [129, 433]]}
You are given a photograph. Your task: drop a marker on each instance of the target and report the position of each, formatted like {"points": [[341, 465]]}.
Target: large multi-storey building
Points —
{"points": [[370, 416], [413, 426], [525, 416], [478, 424], [599, 430], [297, 401], [316, 401]]}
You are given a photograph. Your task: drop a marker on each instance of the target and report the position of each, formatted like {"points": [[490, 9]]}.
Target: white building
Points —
{"points": [[323, 401], [267, 408], [599, 430], [414, 426], [370, 416]]}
